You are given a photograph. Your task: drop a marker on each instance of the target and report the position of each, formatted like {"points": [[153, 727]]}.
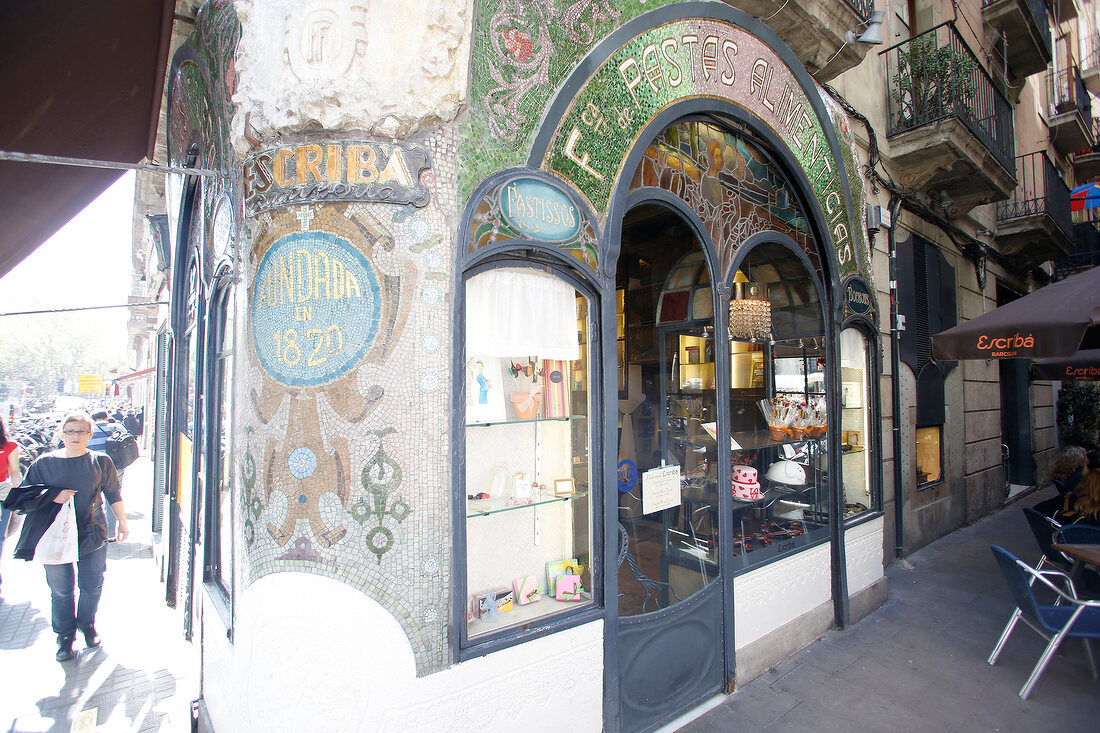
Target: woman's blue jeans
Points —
{"points": [[69, 612]]}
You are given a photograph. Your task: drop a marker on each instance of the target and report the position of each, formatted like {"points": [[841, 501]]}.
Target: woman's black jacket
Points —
{"points": [[36, 501]]}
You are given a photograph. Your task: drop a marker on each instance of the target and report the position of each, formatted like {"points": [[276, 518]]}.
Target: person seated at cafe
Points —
{"points": [[1065, 474], [1082, 505]]}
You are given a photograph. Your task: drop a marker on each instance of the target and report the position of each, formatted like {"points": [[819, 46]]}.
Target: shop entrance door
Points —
{"points": [[670, 630], [1015, 413]]}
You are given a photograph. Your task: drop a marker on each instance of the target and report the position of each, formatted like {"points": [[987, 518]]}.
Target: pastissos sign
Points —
{"points": [[1005, 346]]}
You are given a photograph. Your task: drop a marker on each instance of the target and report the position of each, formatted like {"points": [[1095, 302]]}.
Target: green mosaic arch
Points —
{"points": [[670, 57]]}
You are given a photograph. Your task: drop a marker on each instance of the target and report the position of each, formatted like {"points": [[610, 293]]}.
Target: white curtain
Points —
{"points": [[514, 312]]}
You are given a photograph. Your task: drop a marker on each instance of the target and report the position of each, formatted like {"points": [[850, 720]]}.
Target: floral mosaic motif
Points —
{"points": [[522, 50], [728, 182]]}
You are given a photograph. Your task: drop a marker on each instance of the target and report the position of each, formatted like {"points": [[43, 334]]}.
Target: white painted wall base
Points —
{"points": [[312, 654]]}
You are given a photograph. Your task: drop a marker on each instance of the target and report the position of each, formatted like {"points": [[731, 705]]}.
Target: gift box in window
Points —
{"points": [[491, 603], [558, 568], [568, 588], [527, 590]]}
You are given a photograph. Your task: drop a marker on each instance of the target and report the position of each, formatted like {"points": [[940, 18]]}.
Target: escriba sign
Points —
{"points": [[341, 170]]}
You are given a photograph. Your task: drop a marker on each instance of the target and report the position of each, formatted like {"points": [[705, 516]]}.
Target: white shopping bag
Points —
{"points": [[59, 545]]}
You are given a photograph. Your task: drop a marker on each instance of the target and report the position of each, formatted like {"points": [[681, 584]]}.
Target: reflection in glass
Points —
{"points": [[223, 438], [668, 548]]}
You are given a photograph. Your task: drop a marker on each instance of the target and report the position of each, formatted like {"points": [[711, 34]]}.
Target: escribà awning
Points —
{"points": [[80, 79]]}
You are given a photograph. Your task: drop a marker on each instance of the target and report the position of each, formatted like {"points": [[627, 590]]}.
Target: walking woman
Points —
{"points": [[89, 477]]}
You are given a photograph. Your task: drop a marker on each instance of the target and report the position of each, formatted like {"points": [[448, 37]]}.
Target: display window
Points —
{"points": [[528, 488], [855, 424], [680, 353], [778, 414], [929, 455]]}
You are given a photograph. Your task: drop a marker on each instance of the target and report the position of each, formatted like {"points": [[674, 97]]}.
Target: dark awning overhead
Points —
{"points": [[80, 79], [1082, 366], [1054, 321]]}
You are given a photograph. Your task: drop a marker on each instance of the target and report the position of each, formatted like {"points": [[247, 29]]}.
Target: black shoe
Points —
{"points": [[64, 649], [91, 638]]}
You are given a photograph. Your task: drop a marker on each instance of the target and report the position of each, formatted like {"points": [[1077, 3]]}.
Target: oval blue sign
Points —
{"points": [[542, 211], [315, 308]]}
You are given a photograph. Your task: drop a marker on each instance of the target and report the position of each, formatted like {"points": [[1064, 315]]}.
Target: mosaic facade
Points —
{"points": [[347, 413], [344, 401], [522, 51]]}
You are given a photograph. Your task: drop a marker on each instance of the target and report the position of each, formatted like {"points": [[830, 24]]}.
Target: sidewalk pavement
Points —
{"points": [[918, 662], [144, 675]]}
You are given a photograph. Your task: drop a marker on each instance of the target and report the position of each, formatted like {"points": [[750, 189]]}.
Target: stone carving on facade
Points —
{"points": [[404, 71]]}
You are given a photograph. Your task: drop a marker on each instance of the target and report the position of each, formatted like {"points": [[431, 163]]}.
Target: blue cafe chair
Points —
{"points": [[1072, 618]]}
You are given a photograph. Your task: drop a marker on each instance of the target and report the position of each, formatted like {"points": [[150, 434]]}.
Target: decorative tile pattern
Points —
{"points": [[343, 474], [696, 58], [522, 51]]}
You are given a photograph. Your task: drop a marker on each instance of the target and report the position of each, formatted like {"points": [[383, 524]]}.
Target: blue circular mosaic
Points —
{"points": [[429, 383], [315, 308], [433, 260], [302, 463]]}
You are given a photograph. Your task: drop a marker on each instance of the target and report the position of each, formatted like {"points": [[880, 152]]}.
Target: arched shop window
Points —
{"points": [[528, 532], [218, 549], [761, 339]]}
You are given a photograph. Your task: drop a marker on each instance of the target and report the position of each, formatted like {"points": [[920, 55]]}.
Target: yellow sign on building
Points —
{"points": [[90, 384]]}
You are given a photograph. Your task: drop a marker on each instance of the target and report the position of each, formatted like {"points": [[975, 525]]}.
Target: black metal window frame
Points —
{"points": [[218, 583]]}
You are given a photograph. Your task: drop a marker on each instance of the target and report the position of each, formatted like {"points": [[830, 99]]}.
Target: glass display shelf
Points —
{"points": [[519, 615], [522, 422], [755, 439], [485, 507]]}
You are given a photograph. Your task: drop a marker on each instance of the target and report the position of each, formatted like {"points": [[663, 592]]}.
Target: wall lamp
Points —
{"points": [[873, 34]]}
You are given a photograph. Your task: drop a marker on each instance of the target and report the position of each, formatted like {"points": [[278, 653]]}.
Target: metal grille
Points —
{"points": [[1040, 191], [935, 76], [864, 8]]}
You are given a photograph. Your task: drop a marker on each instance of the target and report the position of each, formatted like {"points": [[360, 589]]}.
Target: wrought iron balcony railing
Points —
{"points": [[1067, 92], [1040, 190], [1091, 59], [864, 8], [935, 76]]}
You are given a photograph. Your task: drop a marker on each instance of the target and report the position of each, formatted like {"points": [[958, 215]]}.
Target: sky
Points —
{"points": [[87, 262]]}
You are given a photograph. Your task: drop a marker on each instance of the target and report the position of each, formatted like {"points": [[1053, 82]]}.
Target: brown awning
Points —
{"points": [[81, 80], [1054, 321], [1082, 366]]}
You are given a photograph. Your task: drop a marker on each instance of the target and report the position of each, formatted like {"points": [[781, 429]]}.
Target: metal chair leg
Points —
{"points": [[1041, 665], [1004, 637]]}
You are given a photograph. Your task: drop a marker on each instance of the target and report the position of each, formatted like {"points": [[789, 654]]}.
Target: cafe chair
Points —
{"points": [[1077, 534], [1074, 618], [1043, 527]]}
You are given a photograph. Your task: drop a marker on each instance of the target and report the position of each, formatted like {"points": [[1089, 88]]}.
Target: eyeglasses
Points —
{"points": [[77, 432]]}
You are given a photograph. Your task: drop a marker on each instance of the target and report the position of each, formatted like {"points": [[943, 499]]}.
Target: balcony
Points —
{"points": [[1035, 224], [950, 129], [1086, 162], [1026, 28], [815, 31], [1069, 110], [1090, 64]]}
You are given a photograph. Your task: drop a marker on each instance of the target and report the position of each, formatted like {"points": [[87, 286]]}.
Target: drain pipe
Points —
{"points": [[895, 376]]}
